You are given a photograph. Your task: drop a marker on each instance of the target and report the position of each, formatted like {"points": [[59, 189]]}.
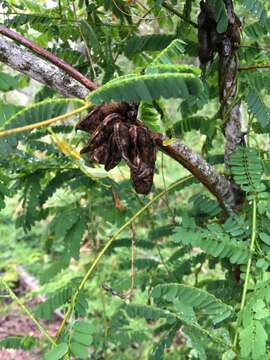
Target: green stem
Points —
{"points": [[60, 8], [43, 123], [254, 67], [105, 248], [28, 313], [251, 249]]}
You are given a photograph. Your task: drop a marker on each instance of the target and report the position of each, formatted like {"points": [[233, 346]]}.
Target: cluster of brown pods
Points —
{"points": [[117, 135]]}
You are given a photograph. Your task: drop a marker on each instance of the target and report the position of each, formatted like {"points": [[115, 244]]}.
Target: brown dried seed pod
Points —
{"points": [[91, 121], [205, 51], [143, 156], [86, 148], [134, 152], [123, 140], [114, 155], [100, 112], [142, 178], [100, 154], [103, 131], [146, 146]]}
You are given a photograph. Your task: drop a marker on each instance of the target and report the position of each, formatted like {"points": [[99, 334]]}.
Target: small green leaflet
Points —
{"points": [[83, 327], [57, 353], [81, 338], [265, 238], [253, 341]]}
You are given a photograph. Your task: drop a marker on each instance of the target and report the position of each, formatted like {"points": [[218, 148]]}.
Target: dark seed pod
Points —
{"points": [[103, 131], [99, 113], [116, 137], [123, 141], [114, 155], [143, 159], [142, 179], [205, 51], [91, 121]]}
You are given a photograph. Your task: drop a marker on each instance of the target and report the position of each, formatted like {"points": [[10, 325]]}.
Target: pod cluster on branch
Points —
{"points": [[117, 135]]}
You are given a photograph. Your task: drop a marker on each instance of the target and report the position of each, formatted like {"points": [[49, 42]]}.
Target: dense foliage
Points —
{"points": [[199, 285]]}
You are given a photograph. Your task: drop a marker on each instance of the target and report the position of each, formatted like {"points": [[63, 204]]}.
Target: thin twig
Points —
{"points": [[27, 311], [254, 47], [251, 249], [40, 124], [106, 247], [254, 67], [166, 199], [132, 272], [60, 8]]}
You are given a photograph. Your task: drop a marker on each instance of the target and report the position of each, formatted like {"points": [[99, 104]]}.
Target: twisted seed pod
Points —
{"points": [[116, 137]]}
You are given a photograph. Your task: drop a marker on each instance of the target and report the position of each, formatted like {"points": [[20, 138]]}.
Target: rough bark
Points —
{"points": [[40, 70], [215, 182], [75, 74], [55, 78], [228, 70]]}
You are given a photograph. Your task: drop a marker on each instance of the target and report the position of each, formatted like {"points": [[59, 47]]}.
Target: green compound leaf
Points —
{"points": [[198, 299], [56, 300], [214, 241], [247, 169], [18, 342], [44, 110], [147, 87], [172, 52]]}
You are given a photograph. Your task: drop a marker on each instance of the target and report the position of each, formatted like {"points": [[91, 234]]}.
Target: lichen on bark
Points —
{"points": [[36, 68], [228, 84]]}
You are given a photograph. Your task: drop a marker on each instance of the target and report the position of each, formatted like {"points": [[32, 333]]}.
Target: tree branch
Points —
{"points": [[49, 56], [40, 70], [254, 67], [49, 74], [228, 83], [215, 182]]}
